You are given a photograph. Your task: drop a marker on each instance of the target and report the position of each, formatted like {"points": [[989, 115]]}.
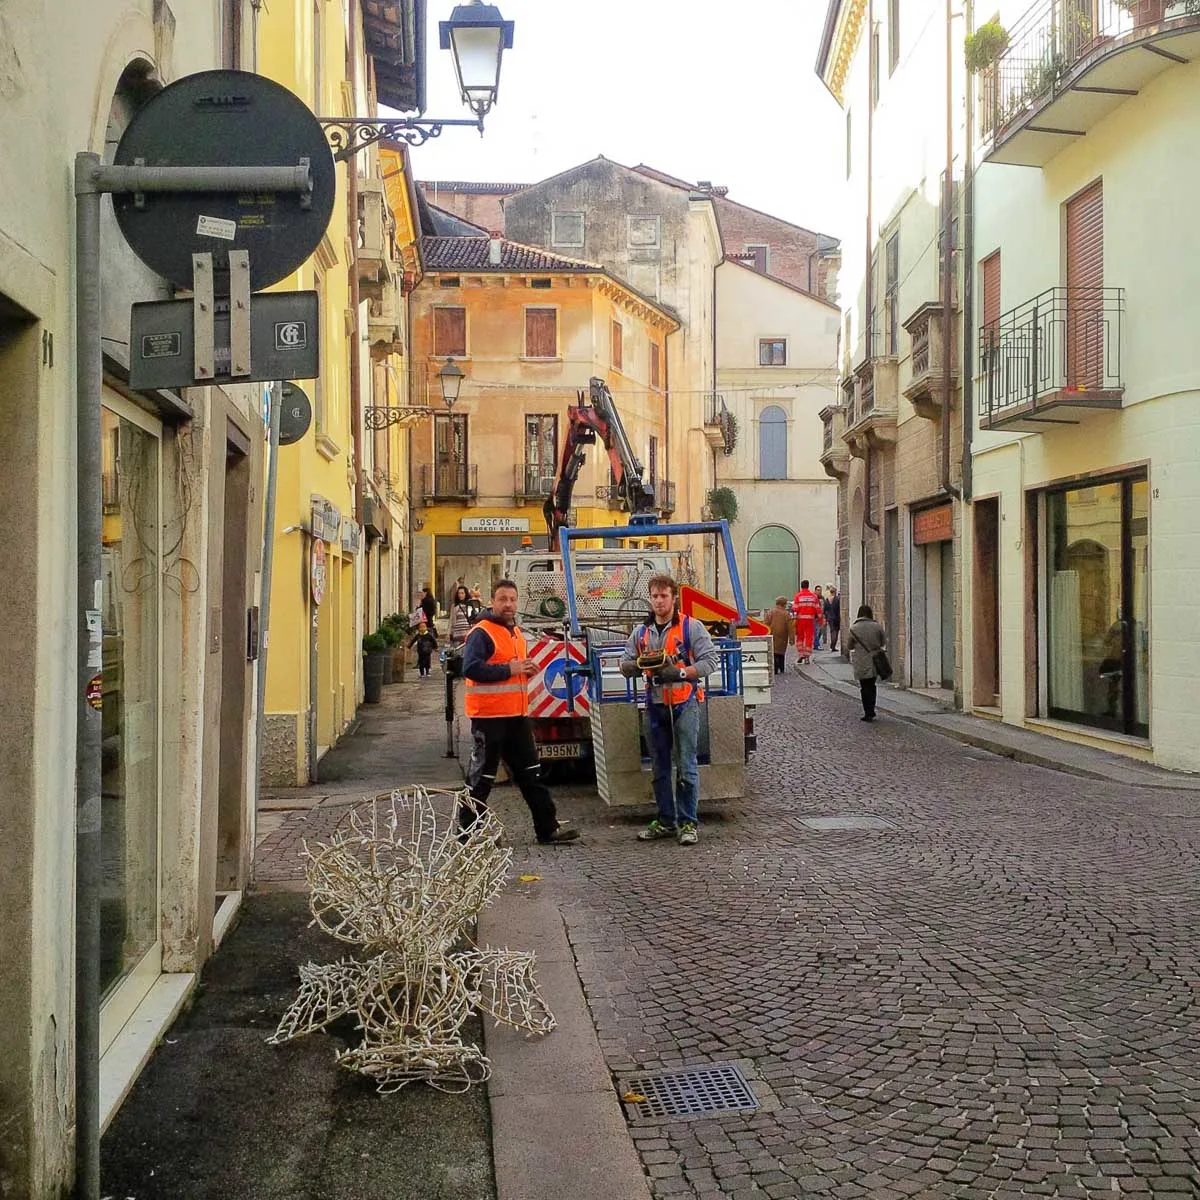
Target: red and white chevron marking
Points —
{"points": [[543, 703]]}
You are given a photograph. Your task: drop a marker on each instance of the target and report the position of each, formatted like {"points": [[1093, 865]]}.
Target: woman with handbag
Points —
{"points": [[867, 644]]}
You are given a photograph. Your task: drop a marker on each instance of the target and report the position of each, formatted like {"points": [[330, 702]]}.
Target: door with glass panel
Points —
{"points": [[1097, 620], [131, 621]]}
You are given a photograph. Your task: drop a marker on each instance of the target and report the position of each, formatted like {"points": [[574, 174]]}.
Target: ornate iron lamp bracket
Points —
{"points": [[347, 135], [378, 416]]}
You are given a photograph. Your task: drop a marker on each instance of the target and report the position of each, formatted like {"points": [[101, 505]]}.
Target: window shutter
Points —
{"points": [[655, 366], [991, 291], [1085, 288], [541, 333], [450, 331], [618, 337]]}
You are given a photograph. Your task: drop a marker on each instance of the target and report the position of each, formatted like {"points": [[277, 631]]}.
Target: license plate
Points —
{"points": [[560, 750]]}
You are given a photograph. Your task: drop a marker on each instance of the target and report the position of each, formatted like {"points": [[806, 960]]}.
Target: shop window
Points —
{"points": [[450, 332]]}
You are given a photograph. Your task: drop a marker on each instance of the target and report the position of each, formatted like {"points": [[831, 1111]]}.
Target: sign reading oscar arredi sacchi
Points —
{"points": [[494, 525]]}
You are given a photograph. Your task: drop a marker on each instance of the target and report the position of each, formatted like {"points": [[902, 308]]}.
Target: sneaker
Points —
{"points": [[560, 836], [655, 830], [689, 835]]}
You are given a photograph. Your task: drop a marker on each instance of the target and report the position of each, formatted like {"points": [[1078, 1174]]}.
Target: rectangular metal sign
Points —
{"points": [[283, 342], [494, 524]]}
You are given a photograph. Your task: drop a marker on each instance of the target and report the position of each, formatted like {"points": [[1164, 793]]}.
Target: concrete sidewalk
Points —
{"points": [[218, 1113], [832, 672]]}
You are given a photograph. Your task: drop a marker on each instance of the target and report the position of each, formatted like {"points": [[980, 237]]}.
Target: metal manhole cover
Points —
{"points": [[825, 823], [699, 1092]]}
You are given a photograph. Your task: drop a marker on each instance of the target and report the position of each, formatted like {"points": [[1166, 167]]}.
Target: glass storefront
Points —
{"points": [[1097, 620], [131, 621]]}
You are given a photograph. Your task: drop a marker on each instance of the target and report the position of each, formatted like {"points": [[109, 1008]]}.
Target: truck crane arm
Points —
{"points": [[584, 424]]}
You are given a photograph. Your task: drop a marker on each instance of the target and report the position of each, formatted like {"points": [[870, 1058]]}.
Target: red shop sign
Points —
{"points": [[933, 525]]}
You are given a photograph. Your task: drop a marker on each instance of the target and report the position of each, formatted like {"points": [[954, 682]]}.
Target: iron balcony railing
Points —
{"points": [[714, 406], [850, 399], [1064, 343], [1049, 39], [827, 433], [451, 481], [533, 479]]}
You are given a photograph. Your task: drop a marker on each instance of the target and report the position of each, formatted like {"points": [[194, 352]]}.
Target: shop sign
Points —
{"points": [[494, 524], [317, 574], [933, 525]]}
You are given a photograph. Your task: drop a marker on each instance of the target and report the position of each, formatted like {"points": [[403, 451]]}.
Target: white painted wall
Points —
{"points": [[751, 306], [1148, 153]]}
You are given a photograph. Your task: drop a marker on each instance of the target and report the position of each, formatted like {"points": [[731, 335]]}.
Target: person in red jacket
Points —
{"points": [[806, 608]]}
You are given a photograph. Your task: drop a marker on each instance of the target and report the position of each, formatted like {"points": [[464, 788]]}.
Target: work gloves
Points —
{"points": [[669, 674]]}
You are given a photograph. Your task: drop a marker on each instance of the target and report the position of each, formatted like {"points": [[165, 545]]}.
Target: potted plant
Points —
{"points": [[1143, 12], [984, 46], [375, 651], [397, 629], [722, 503]]}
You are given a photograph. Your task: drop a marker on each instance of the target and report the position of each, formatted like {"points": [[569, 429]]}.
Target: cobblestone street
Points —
{"points": [[995, 994]]}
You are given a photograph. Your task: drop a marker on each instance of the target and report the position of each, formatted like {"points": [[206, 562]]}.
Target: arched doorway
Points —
{"points": [[772, 566]]}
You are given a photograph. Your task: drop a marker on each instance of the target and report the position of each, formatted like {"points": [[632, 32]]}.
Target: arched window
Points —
{"points": [[772, 566], [772, 443]]}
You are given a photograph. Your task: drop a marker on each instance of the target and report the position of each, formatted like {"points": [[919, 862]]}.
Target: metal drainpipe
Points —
{"points": [[948, 256], [355, 299], [89, 666], [968, 296], [870, 274]]}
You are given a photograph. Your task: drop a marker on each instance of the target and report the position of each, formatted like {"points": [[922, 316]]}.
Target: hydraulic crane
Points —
{"points": [[584, 423]]}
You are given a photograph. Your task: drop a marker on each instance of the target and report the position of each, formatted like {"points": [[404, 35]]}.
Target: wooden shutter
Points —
{"points": [[991, 291], [655, 366], [618, 351], [541, 333], [1085, 288], [450, 331]]}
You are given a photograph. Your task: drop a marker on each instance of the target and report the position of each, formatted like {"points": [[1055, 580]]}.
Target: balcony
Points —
{"points": [[383, 316], [1069, 63], [610, 494], [929, 359], [871, 422], [835, 454], [534, 481], [720, 429], [664, 492], [376, 249], [1052, 360], [450, 481]]}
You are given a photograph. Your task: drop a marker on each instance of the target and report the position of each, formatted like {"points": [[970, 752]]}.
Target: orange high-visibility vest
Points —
{"points": [[506, 697], [678, 648]]}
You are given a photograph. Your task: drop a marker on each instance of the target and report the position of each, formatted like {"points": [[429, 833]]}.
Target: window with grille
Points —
{"points": [[541, 333], [450, 332]]}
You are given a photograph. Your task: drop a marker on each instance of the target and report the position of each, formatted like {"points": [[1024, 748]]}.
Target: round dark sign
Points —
{"points": [[225, 118], [294, 416]]}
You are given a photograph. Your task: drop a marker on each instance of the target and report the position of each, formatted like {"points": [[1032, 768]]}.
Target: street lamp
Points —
{"points": [[477, 35], [450, 377]]}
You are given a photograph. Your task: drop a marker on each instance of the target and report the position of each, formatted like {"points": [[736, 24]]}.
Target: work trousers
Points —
{"points": [[674, 735], [509, 739], [805, 628]]}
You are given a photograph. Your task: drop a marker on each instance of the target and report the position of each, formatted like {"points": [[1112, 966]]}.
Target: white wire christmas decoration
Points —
{"points": [[399, 880]]}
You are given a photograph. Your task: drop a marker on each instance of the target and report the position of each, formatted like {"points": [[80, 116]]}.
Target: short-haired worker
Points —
{"points": [[497, 667], [674, 654]]}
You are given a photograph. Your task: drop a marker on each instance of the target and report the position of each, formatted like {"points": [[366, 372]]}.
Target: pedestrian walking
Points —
{"points": [[497, 667], [780, 625], [425, 640], [866, 641], [833, 616], [428, 604], [819, 621], [463, 615], [673, 653], [805, 607]]}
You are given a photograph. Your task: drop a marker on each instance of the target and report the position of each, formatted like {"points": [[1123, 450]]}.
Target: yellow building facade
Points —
{"points": [[341, 509], [528, 329]]}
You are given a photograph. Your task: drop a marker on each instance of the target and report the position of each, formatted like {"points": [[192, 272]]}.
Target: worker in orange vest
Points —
{"points": [[497, 668], [806, 608]]}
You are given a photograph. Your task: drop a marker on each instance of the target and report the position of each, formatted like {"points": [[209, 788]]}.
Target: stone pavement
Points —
{"points": [[993, 994]]}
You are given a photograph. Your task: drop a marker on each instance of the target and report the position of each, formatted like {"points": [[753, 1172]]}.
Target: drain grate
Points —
{"points": [[700, 1092], [825, 823]]}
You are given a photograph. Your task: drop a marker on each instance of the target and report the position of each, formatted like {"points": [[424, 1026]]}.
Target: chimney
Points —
{"points": [[495, 248]]}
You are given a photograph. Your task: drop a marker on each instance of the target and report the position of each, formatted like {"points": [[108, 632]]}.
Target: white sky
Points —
{"points": [[702, 89]]}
